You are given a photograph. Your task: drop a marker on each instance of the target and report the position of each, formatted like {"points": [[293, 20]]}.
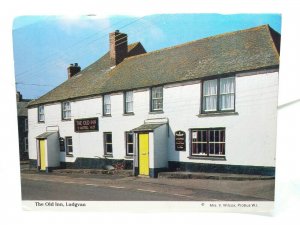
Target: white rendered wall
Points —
{"points": [[53, 159], [250, 135], [160, 150]]}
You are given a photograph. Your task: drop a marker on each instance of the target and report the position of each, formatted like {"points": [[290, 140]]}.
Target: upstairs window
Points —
{"points": [[26, 125], [218, 95], [106, 105], [41, 114], [128, 103], [66, 110], [156, 99]]}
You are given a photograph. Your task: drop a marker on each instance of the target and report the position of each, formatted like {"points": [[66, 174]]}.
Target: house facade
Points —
{"points": [[209, 106], [22, 125]]}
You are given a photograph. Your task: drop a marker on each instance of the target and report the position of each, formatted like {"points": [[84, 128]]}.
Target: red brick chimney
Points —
{"points": [[73, 69], [118, 47]]}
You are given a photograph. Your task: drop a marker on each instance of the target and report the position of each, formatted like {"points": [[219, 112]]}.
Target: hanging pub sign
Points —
{"points": [[86, 125], [180, 140]]}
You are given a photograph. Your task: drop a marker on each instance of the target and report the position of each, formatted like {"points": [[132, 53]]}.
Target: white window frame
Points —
{"points": [[41, 113], [218, 96], [106, 143], [66, 110], [25, 144], [106, 105], [68, 152], [128, 101], [159, 99], [221, 143], [129, 143]]}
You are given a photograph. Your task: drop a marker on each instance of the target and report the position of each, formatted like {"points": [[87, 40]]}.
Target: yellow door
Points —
{"points": [[144, 154], [42, 155]]}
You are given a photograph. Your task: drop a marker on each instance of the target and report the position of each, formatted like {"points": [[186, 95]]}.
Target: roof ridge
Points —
{"points": [[206, 38]]}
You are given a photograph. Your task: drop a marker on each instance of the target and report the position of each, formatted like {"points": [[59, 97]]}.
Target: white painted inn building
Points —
{"points": [[209, 105]]}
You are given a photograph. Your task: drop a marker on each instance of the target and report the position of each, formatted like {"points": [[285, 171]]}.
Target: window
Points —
{"points": [[208, 142], [129, 143], [69, 146], [41, 114], [66, 110], [106, 105], [26, 124], [25, 144], [108, 150], [218, 95], [128, 103], [156, 99]]}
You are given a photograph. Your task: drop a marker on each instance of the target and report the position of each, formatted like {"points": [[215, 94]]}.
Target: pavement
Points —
{"points": [[161, 175]]}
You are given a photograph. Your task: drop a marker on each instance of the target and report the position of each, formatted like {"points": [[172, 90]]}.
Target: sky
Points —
{"points": [[44, 46]]}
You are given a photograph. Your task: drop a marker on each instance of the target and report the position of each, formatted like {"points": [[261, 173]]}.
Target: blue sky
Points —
{"points": [[44, 46]]}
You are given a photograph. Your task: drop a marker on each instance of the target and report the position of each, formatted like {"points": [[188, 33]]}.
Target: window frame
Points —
{"points": [[26, 124], [151, 99], [105, 144], [39, 113], [65, 110], [68, 153], [208, 142], [103, 105], [125, 103], [26, 144], [127, 143], [218, 110]]}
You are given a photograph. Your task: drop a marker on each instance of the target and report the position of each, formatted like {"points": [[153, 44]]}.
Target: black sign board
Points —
{"points": [[86, 125], [180, 140]]}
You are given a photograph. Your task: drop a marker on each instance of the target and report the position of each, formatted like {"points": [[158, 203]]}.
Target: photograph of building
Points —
{"points": [[174, 107], [209, 105]]}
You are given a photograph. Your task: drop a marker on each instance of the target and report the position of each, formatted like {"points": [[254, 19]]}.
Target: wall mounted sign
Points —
{"points": [[180, 140], [86, 125]]}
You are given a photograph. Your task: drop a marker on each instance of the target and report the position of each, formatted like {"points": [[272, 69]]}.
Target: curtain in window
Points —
{"points": [[210, 90], [157, 98], [227, 93], [66, 110]]}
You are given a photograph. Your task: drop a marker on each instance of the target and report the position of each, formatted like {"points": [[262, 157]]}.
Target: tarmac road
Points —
{"points": [[111, 188]]}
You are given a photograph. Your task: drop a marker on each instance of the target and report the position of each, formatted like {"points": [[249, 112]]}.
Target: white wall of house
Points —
{"points": [[160, 150], [250, 135], [53, 159]]}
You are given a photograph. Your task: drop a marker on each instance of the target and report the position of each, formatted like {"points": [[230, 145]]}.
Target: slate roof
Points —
{"points": [[250, 49], [22, 108], [46, 134], [147, 127]]}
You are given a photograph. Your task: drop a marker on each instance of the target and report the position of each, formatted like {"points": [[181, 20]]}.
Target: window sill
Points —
{"points": [[69, 155], [157, 112], [218, 114], [213, 158], [41, 122], [65, 120], [108, 156], [128, 157], [128, 114], [107, 115]]}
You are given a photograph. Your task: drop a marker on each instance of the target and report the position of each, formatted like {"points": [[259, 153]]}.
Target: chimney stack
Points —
{"points": [[73, 69], [19, 96], [118, 47]]}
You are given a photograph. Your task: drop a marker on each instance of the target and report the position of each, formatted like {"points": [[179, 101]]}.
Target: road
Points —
{"points": [[113, 188]]}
